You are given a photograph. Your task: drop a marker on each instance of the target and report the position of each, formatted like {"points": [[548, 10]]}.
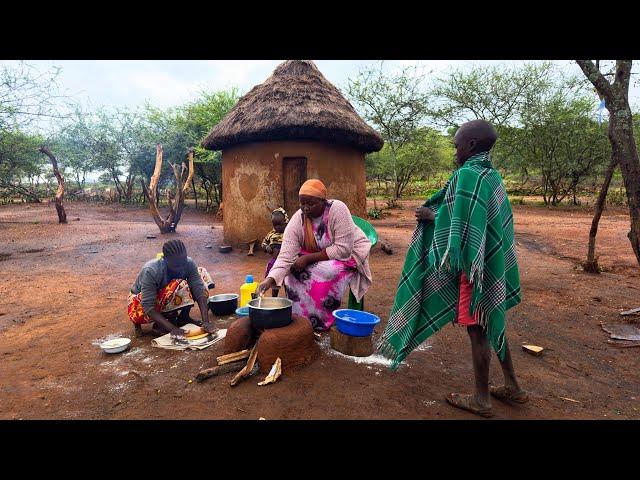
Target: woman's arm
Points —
{"points": [[303, 261], [342, 231], [291, 246], [200, 294]]}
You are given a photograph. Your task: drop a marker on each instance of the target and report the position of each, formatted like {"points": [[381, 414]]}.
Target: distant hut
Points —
{"points": [[294, 126]]}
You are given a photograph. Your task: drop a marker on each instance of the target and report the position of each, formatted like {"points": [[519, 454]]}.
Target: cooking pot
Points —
{"points": [[270, 312], [224, 304]]}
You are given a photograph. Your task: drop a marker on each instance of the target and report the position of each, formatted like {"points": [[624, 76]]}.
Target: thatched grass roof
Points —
{"points": [[295, 103]]}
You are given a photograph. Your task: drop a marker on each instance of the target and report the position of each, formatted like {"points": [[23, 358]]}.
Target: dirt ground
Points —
{"points": [[65, 287]]}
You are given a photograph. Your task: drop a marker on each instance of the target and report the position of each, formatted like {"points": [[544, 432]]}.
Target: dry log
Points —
{"points": [[233, 357], [218, 370], [248, 369]]}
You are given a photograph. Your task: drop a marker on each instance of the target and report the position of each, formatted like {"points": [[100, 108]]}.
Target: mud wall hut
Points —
{"points": [[294, 126]]}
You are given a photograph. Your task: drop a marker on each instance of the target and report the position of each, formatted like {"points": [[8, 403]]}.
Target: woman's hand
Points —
{"points": [[425, 214], [178, 333], [266, 284], [300, 264], [208, 327]]}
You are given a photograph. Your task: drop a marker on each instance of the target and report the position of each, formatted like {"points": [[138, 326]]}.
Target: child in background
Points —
{"points": [[273, 241]]}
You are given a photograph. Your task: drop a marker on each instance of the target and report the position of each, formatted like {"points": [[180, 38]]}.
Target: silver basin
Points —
{"points": [[223, 297]]}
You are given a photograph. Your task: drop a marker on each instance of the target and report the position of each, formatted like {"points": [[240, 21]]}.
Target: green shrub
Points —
{"points": [[374, 213]]}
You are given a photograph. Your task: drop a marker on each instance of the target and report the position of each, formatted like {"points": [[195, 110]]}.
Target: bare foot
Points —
{"points": [[138, 330]]}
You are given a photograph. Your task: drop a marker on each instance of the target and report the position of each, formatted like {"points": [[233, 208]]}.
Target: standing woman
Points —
{"points": [[322, 253], [166, 290]]}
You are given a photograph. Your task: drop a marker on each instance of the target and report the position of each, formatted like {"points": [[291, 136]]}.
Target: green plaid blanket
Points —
{"points": [[473, 231]]}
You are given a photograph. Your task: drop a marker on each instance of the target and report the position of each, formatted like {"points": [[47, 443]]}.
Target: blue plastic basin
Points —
{"points": [[355, 322], [242, 311]]}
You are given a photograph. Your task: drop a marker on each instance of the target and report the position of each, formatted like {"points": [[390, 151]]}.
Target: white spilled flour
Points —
{"points": [[134, 352], [375, 359]]}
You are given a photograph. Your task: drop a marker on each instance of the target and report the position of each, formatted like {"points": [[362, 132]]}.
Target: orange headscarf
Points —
{"points": [[313, 188]]}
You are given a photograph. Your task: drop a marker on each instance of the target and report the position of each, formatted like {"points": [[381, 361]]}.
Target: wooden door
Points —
{"points": [[294, 174]]}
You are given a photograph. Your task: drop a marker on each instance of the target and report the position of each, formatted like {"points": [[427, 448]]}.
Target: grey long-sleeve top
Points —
{"points": [[153, 277]]}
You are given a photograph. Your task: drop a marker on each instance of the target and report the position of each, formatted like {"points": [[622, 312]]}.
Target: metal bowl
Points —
{"points": [[270, 312], [116, 345], [223, 304]]}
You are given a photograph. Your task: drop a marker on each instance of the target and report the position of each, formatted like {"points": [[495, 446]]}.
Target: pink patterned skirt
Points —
{"points": [[318, 290]]}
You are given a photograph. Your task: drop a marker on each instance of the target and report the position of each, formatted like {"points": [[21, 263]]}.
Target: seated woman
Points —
{"points": [[322, 253], [165, 289]]}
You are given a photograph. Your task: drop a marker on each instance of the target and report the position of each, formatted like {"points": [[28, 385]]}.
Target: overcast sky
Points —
{"points": [[167, 83]]}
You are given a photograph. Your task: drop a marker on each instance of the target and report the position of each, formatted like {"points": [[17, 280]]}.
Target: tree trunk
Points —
{"points": [[195, 194], [176, 204], [623, 145], [62, 215], [591, 265], [129, 187], [624, 149]]}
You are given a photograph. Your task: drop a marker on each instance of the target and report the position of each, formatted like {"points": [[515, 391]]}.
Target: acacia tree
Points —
{"points": [[21, 166], [27, 97], [496, 94], [396, 105], [195, 120], [62, 215], [424, 155], [176, 204], [623, 145], [558, 140], [73, 143]]}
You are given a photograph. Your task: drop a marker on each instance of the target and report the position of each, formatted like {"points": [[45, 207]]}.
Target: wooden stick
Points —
{"points": [[233, 354], [219, 370], [248, 368], [634, 311], [233, 357]]}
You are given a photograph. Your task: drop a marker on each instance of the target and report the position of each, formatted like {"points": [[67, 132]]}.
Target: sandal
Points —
{"points": [[504, 394], [466, 402]]}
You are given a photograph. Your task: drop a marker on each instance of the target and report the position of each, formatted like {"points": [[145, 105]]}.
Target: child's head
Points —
{"points": [[279, 221]]}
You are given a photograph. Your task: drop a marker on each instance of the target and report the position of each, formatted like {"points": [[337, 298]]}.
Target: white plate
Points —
{"points": [[116, 345]]}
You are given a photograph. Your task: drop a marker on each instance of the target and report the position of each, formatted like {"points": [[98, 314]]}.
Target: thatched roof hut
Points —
{"points": [[294, 126], [295, 102]]}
